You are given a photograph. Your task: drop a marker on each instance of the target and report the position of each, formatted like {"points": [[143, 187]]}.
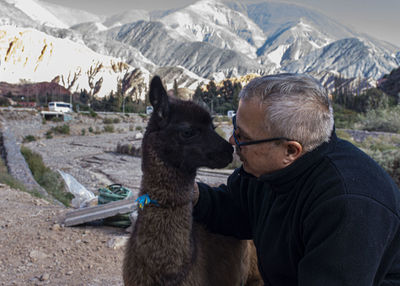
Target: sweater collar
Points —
{"points": [[301, 165]]}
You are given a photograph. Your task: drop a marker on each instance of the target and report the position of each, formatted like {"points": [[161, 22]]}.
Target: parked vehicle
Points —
{"points": [[231, 113], [149, 109], [60, 106]]}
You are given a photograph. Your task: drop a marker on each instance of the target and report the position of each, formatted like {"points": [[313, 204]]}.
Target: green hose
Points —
{"points": [[111, 193]]}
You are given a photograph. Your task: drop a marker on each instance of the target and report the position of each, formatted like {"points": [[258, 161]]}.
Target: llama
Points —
{"points": [[166, 247]]}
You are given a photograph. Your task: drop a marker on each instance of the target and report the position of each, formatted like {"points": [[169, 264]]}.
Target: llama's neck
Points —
{"points": [[165, 230], [169, 186]]}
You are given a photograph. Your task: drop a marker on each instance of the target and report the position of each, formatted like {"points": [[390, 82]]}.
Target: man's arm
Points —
{"points": [[222, 209], [349, 240]]}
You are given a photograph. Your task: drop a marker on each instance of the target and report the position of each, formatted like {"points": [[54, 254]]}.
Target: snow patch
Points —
{"points": [[276, 55]]}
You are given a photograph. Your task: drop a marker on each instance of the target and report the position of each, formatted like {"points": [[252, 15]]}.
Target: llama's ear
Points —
{"points": [[159, 98]]}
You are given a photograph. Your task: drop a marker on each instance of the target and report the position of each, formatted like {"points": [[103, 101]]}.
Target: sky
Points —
{"points": [[378, 18]]}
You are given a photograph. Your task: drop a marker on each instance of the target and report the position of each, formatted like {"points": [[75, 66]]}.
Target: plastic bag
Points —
{"points": [[83, 196]]}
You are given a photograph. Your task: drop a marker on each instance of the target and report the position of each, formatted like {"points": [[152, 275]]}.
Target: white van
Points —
{"points": [[149, 109], [60, 106], [231, 113]]}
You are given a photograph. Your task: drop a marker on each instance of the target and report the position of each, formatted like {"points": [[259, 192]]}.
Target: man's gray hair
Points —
{"points": [[296, 106]]}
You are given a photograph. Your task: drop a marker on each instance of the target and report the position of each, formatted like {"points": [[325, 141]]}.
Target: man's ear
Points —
{"points": [[293, 151], [159, 99]]}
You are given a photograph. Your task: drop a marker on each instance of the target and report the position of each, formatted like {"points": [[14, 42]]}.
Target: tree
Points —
{"points": [[175, 88], [372, 98], [211, 95], [84, 96]]}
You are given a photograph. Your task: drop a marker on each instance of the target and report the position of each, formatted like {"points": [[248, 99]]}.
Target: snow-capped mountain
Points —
{"points": [[292, 43], [32, 56], [214, 23], [350, 57], [206, 40], [201, 58]]}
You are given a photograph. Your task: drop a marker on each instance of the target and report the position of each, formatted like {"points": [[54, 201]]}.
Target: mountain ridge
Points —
{"points": [[208, 40]]}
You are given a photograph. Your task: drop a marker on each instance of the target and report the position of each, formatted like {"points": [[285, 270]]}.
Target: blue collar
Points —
{"points": [[145, 200]]}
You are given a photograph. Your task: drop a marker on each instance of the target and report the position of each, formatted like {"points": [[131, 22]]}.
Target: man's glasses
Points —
{"points": [[239, 144]]}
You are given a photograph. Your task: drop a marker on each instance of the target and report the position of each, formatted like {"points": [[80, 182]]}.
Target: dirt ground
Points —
{"points": [[35, 248]]}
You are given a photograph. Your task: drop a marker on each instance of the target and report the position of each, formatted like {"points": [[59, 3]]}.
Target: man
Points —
{"points": [[320, 211]]}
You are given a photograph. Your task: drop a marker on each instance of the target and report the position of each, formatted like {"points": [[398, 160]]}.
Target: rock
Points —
{"points": [[37, 255], [55, 227], [139, 136], [44, 277], [117, 242], [69, 273]]}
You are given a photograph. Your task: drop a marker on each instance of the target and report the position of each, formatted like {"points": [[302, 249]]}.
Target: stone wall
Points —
{"points": [[16, 163]]}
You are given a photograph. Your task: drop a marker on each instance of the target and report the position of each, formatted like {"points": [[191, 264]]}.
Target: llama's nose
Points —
{"points": [[231, 140], [229, 148]]}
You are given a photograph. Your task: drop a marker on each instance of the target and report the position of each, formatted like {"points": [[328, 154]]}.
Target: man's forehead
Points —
{"points": [[250, 117]]}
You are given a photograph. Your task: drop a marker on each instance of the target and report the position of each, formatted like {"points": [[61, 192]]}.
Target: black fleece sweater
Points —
{"points": [[331, 218]]}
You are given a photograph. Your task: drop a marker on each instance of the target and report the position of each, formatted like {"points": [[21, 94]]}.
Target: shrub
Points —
{"points": [[49, 134], [139, 128], [6, 178], [28, 138], [389, 160], [90, 129], [92, 113], [107, 120], [131, 127], [49, 180], [383, 149], [83, 131], [222, 118], [386, 120], [116, 120], [63, 129], [109, 128], [57, 119], [344, 118], [128, 149], [4, 101]]}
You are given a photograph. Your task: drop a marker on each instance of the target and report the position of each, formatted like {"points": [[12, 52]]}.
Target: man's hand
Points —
{"points": [[195, 194]]}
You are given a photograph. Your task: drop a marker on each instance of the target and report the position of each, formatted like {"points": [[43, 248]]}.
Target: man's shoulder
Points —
{"points": [[354, 173]]}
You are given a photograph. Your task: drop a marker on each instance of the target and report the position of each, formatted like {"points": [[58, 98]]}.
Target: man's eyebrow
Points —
{"points": [[242, 132]]}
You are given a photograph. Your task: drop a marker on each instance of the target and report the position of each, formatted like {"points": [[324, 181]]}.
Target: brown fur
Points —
{"points": [[166, 246]]}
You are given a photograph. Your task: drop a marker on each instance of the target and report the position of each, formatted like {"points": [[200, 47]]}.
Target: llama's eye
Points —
{"points": [[187, 133]]}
